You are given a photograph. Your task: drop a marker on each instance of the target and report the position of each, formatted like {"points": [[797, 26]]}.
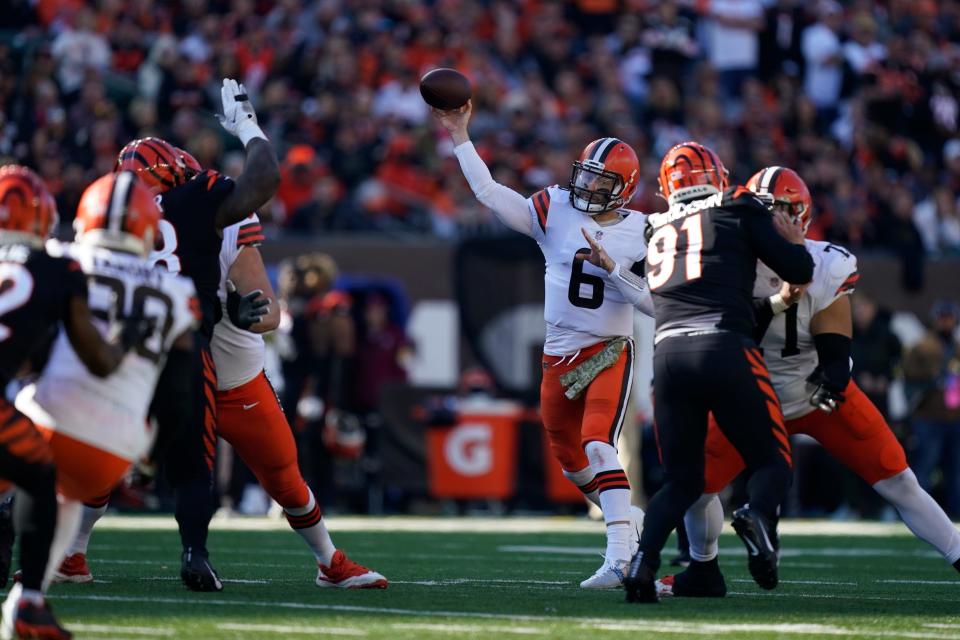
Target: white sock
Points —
{"points": [[308, 522], [68, 520], [586, 482], [32, 595], [88, 519], [921, 513], [704, 522], [614, 490]]}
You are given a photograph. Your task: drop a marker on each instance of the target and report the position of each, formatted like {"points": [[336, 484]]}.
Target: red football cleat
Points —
{"points": [[347, 574], [73, 569]]}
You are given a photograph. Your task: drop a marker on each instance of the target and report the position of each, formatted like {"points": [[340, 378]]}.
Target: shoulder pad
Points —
{"points": [[836, 273]]}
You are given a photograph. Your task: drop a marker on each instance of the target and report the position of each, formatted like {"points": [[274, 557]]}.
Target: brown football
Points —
{"points": [[445, 89]]}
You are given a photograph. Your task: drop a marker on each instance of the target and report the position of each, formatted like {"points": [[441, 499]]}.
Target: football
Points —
{"points": [[445, 89]]}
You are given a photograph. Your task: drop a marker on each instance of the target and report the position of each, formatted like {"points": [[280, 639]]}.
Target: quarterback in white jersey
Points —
{"points": [[806, 335], [588, 355]]}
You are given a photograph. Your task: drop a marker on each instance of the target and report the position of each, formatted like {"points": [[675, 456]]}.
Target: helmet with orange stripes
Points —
{"points": [[783, 188], [119, 212], [689, 171], [27, 210], [159, 164], [604, 177]]}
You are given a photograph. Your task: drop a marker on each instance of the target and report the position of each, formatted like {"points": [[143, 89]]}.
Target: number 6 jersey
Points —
{"points": [[788, 344], [583, 306], [110, 413]]}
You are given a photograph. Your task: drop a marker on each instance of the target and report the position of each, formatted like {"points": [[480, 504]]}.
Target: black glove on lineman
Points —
{"points": [[824, 398], [245, 311]]}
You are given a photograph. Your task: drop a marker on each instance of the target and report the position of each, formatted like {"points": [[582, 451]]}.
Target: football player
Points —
{"points": [[807, 348], [588, 355], [701, 265], [38, 292], [249, 415], [197, 205]]}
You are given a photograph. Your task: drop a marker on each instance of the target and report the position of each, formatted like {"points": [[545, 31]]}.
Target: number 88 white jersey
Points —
{"points": [[787, 345], [582, 306], [111, 413]]}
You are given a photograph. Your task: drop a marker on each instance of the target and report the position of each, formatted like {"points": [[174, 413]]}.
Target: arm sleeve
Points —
{"points": [[833, 354], [762, 316], [792, 262], [633, 287], [509, 206]]}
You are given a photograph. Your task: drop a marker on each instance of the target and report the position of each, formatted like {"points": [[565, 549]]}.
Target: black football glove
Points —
{"points": [[134, 329], [246, 311], [824, 398]]}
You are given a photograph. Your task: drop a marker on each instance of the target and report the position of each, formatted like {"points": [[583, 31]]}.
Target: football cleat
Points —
{"points": [[26, 619], [73, 569], [6, 541], [196, 572], [640, 582], [701, 580], [610, 575], [344, 573], [762, 555]]}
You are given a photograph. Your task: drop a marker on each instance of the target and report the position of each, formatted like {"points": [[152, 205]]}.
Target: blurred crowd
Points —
{"points": [[860, 96]]}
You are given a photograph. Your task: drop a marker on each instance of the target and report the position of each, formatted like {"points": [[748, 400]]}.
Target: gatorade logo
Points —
{"points": [[468, 449]]}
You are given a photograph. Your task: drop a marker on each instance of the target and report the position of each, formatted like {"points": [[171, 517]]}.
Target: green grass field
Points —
{"points": [[499, 578]]}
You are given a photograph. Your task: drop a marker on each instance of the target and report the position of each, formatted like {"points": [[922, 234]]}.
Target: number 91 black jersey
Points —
{"points": [[702, 261], [190, 238], [35, 294]]}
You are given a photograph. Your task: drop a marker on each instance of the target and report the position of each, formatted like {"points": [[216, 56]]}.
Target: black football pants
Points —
{"points": [[722, 373]]}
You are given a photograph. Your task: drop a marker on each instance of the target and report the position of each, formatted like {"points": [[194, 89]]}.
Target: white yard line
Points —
{"points": [[952, 583], [109, 628], [467, 628], [815, 582], [823, 552], [279, 628], [709, 629]]}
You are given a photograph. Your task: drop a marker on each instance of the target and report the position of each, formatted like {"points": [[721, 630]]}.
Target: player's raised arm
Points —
{"points": [[261, 171], [509, 206], [629, 281], [779, 243]]}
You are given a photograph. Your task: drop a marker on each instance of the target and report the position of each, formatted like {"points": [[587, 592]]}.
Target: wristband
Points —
{"points": [[248, 130], [778, 304]]}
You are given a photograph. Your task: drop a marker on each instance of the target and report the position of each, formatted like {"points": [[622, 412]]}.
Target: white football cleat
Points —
{"points": [[636, 526], [608, 576], [344, 573]]}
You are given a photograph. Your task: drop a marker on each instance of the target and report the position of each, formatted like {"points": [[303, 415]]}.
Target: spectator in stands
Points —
{"points": [[875, 350], [932, 372], [780, 40], [733, 28], [823, 58]]}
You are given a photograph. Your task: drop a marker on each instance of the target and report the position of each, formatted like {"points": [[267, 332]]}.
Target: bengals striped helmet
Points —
{"points": [[604, 177], [27, 210], [690, 171], [118, 211], [156, 162], [783, 188]]}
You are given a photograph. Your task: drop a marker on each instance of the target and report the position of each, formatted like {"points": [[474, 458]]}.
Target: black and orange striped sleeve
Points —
{"points": [[541, 206]]}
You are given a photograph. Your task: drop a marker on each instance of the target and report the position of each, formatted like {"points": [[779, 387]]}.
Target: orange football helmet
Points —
{"points": [[27, 210], [689, 171], [604, 177], [118, 211], [156, 162], [782, 187]]}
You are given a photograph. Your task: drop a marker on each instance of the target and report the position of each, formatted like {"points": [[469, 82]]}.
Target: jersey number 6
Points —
{"points": [[578, 278], [662, 252]]}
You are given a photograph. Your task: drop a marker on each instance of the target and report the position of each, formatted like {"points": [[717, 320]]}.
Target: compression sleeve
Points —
{"points": [[509, 206], [833, 352], [634, 288]]}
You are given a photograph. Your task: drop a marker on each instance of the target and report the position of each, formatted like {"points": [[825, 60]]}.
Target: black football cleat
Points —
{"points": [[640, 582], [762, 557], [700, 580], [196, 572], [6, 541]]}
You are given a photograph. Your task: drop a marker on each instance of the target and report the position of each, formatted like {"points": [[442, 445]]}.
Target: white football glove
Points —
{"points": [[238, 117]]}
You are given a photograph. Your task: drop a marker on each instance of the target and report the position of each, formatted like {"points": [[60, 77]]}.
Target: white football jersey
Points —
{"points": [[788, 346], [237, 354], [582, 305], [111, 413]]}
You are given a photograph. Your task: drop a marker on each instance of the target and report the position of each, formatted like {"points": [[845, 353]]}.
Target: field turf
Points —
{"points": [[500, 578]]}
